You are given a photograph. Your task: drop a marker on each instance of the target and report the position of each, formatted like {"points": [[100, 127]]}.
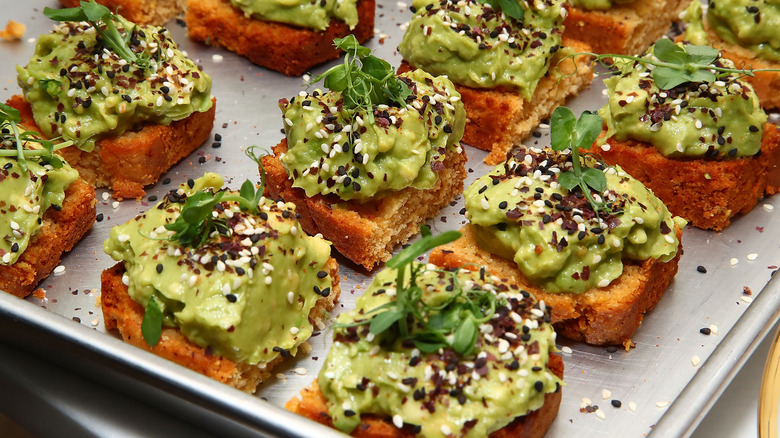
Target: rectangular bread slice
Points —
{"points": [[58, 234], [599, 316], [154, 12], [136, 158], [367, 233], [497, 119], [707, 193], [312, 404], [625, 29], [122, 313], [285, 48]]}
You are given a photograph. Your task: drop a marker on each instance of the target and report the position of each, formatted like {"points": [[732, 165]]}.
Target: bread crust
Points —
{"points": [[134, 159], [599, 316], [312, 404], [154, 12], [497, 119], [122, 313], [367, 233], [625, 29], [58, 234], [285, 48], [707, 193], [766, 84]]}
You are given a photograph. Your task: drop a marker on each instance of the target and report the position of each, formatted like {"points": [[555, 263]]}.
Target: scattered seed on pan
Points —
{"points": [[99, 217], [616, 403], [662, 404], [606, 394], [695, 361], [632, 406], [566, 350], [701, 269], [59, 270], [153, 198], [768, 207], [705, 331], [734, 261], [747, 299], [166, 181], [752, 256]]}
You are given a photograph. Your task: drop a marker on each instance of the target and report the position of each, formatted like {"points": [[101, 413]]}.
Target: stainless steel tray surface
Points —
{"points": [[672, 376]]}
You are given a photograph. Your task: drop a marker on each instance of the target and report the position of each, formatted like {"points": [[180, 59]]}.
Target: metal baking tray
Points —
{"points": [[670, 393]]}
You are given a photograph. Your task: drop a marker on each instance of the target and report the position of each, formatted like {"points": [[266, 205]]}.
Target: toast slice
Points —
{"points": [[627, 29], [136, 158], [367, 233], [600, 316], [122, 313], [154, 12], [497, 119], [58, 234], [285, 48], [707, 193], [313, 405]]}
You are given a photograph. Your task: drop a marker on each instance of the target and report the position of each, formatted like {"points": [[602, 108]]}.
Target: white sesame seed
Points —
{"points": [[662, 404], [566, 350], [281, 377], [606, 394], [14, 225], [398, 421], [115, 204], [7, 258], [752, 256], [217, 58], [632, 406], [734, 261], [747, 299], [698, 124], [59, 270], [695, 360], [125, 280], [600, 414], [485, 204], [294, 331], [768, 207], [446, 430], [603, 283], [669, 238], [714, 329], [123, 238], [290, 297]]}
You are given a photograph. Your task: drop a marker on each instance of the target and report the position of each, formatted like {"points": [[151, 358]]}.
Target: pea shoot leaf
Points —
{"points": [[151, 326], [568, 132], [512, 8]]}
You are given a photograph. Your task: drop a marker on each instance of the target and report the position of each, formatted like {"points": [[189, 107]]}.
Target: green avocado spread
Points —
{"points": [[720, 119], [599, 4], [404, 147], [520, 212], [82, 91], [24, 199], [304, 13], [752, 24], [441, 394], [246, 296], [478, 46]]}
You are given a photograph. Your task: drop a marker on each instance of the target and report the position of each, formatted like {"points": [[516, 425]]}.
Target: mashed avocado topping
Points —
{"points": [[404, 147], [752, 24], [599, 4], [82, 91], [246, 293], [520, 212], [718, 119], [304, 13], [478, 46], [441, 393], [25, 196]]}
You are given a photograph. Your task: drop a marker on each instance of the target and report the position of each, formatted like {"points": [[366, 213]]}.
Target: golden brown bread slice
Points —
{"points": [[155, 12], [288, 49], [136, 158], [626, 29], [367, 233], [312, 404], [600, 316], [497, 119], [122, 313], [707, 193], [58, 234]]}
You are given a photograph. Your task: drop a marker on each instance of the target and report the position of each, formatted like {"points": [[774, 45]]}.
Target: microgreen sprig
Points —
{"points": [[452, 324], [675, 65], [510, 8], [10, 134], [363, 80], [151, 326], [196, 222], [110, 36], [566, 131]]}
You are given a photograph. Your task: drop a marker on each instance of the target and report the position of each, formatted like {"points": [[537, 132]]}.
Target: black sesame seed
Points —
{"points": [[437, 120], [538, 386], [462, 211], [705, 331], [322, 274], [546, 219], [190, 183], [165, 89], [217, 137], [501, 226], [616, 403], [63, 72], [240, 270], [87, 103], [15, 247], [99, 217], [601, 240], [232, 298], [447, 129], [348, 412], [701, 269], [502, 205], [216, 145], [753, 128], [202, 160], [126, 68], [732, 152], [263, 215], [159, 268], [166, 181], [482, 190], [111, 74]]}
